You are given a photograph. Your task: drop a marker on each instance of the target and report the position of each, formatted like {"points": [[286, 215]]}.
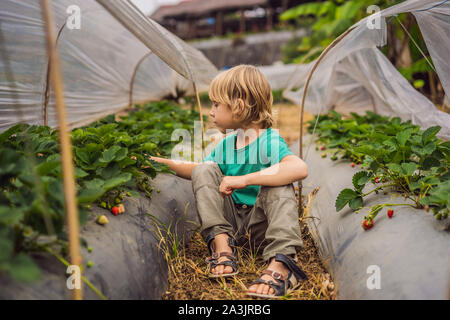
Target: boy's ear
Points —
{"points": [[241, 105]]}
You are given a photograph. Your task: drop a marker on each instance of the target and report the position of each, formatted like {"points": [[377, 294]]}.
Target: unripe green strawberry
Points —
{"points": [[102, 220], [89, 264], [103, 204], [117, 200], [90, 249], [324, 155]]}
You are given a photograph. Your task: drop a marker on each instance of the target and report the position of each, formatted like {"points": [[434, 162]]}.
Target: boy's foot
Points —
{"points": [[219, 245], [265, 289]]}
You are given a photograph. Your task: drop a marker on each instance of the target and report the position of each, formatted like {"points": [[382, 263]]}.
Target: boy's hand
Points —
{"points": [[229, 183]]}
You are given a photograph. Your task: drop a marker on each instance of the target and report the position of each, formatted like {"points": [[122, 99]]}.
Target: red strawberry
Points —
{"points": [[390, 213], [322, 148], [352, 165], [367, 224], [115, 210], [377, 180]]}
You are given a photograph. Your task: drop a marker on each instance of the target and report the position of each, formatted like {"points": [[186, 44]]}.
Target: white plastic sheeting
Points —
{"points": [[356, 76], [98, 60]]}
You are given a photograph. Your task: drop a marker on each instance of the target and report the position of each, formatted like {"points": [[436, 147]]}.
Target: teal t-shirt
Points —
{"points": [[268, 149]]}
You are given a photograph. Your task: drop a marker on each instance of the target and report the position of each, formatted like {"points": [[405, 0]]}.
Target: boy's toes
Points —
{"points": [[228, 269], [218, 269]]}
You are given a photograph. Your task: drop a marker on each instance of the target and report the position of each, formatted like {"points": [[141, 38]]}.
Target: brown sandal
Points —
{"points": [[281, 285], [213, 260]]}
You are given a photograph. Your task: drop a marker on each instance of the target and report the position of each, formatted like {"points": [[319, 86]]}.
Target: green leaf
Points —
{"points": [[79, 173], [429, 147], [46, 167], [108, 155], [121, 154], [360, 179], [356, 203], [6, 248], [82, 155], [408, 168], [395, 167], [430, 133], [113, 169], [390, 144], [117, 181], [344, 197], [429, 162], [9, 215], [403, 136], [90, 195], [24, 269], [94, 183]]}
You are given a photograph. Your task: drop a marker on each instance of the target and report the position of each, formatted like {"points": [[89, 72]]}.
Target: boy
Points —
{"points": [[255, 167]]}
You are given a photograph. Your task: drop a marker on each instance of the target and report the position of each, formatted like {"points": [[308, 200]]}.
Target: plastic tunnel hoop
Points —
{"points": [[302, 107], [98, 62], [357, 76]]}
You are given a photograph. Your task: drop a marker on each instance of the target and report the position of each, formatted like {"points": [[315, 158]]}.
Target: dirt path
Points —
{"points": [[187, 269]]}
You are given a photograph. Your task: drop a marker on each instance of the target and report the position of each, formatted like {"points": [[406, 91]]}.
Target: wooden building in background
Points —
{"points": [[191, 19]]}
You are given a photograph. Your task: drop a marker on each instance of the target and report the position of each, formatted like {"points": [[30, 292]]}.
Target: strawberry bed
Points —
{"points": [[111, 168], [394, 176]]}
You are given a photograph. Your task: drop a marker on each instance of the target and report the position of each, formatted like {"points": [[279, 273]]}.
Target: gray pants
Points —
{"points": [[271, 224]]}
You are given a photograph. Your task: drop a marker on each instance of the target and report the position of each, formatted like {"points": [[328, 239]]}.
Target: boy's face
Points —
{"points": [[222, 117]]}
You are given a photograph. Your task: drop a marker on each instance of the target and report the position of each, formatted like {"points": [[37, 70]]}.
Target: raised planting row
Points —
{"points": [[111, 162], [394, 156]]}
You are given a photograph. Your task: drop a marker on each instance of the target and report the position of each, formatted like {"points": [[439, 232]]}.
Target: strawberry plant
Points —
{"points": [[397, 155], [111, 161]]}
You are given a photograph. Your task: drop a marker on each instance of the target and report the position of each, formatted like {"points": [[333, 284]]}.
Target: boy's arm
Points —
{"points": [[182, 168], [290, 169]]}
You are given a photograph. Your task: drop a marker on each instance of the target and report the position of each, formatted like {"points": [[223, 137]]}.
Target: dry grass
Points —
{"points": [[188, 278]]}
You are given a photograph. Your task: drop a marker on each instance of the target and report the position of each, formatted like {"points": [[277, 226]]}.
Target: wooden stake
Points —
{"points": [[308, 79], [65, 143]]}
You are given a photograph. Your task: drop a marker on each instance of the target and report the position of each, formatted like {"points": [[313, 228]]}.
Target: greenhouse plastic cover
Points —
{"points": [[98, 60], [356, 75]]}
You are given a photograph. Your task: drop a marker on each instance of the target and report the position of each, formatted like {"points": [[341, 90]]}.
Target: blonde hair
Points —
{"points": [[247, 83]]}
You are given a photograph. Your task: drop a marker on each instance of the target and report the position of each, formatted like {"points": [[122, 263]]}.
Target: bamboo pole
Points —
{"points": [[302, 107], [201, 115], [66, 146]]}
